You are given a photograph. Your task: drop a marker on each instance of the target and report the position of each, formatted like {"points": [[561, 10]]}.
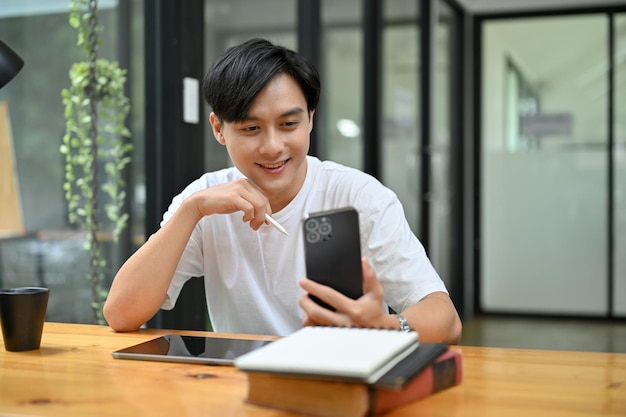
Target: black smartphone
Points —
{"points": [[332, 250]]}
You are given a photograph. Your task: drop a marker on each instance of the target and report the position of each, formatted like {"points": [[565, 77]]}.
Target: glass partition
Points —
{"points": [[401, 105], [342, 82], [543, 175], [619, 158], [441, 239]]}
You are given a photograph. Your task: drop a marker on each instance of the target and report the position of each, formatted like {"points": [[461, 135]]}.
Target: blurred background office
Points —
{"points": [[500, 124]]}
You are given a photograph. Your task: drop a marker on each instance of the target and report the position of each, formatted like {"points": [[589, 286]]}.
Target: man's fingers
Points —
{"points": [[370, 282], [320, 316]]}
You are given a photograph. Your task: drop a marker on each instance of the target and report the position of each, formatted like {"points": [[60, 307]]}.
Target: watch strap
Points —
{"points": [[404, 323]]}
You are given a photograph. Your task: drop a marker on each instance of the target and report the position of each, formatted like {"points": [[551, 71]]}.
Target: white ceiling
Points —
{"points": [[491, 6]]}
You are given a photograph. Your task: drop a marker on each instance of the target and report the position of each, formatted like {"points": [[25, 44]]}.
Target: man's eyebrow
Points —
{"points": [[290, 112]]}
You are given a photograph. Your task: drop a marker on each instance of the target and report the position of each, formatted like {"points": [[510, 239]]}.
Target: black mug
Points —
{"points": [[22, 315]]}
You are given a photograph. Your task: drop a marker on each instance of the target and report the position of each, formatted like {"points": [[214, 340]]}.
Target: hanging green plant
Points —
{"points": [[96, 137]]}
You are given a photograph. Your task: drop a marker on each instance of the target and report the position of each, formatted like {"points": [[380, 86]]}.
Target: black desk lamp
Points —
{"points": [[10, 64]]}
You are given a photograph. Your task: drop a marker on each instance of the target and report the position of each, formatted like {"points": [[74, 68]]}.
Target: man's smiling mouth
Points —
{"points": [[274, 165]]}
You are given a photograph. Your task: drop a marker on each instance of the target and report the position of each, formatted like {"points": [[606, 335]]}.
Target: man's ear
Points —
{"points": [[311, 113], [217, 127]]}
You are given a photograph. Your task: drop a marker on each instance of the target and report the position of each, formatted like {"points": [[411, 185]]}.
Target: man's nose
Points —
{"points": [[272, 143]]}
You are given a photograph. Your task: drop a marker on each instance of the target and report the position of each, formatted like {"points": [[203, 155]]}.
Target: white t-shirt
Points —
{"points": [[251, 277]]}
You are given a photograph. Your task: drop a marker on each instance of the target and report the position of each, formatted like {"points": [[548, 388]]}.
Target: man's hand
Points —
{"points": [[367, 311], [239, 195], [434, 317]]}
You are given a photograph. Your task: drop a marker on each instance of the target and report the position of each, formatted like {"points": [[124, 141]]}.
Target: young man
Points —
{"points": [[263, 98]]}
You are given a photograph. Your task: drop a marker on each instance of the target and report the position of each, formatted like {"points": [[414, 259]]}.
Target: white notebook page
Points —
{"points": [[351, 353]]}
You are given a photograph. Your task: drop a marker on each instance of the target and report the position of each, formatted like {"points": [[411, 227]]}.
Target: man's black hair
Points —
{"points": [[235, 79]]}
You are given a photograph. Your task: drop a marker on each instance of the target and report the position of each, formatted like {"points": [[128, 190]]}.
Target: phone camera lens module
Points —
{"points": [[312, 224], [326, 229], [313, 237]]}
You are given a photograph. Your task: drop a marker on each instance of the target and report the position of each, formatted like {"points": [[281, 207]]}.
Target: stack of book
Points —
{"points": [[348, 372]]}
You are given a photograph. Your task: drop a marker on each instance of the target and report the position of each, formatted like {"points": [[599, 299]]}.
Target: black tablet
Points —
{"points": [[190, 349]]}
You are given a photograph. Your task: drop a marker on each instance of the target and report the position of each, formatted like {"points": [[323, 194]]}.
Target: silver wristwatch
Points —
{"points": [[404, 323]]}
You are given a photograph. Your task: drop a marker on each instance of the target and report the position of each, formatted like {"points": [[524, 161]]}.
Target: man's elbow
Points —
{"points": [[456, 330], [118, 321]]}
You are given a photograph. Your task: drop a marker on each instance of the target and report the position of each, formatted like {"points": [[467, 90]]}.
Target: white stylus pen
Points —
{"points": [[276, 225]]}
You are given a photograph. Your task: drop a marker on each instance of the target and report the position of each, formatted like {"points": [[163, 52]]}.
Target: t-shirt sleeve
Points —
{"points": [[190, 264], [397, 256]]}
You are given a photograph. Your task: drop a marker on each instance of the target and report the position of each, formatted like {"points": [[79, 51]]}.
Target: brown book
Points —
{"points": [[333, 398]]}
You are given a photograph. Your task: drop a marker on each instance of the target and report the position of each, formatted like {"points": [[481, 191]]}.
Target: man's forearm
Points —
{"points": [[435, 319], [141, 284]]}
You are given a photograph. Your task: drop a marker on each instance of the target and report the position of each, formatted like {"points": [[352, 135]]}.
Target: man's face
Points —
{"points": [[269, 147]]}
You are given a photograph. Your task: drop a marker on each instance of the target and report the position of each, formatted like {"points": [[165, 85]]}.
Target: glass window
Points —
{"points": [[48, 250], [228, 24]]}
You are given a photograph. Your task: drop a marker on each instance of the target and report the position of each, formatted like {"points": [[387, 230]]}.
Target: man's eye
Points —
{"points": [[249, 128], [291, 124]]}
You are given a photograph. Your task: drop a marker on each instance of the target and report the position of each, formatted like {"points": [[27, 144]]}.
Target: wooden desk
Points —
{"points": [[73, 374]]}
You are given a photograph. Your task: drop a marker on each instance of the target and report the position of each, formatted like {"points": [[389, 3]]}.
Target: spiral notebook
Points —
{"points": [[353, 354]]}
